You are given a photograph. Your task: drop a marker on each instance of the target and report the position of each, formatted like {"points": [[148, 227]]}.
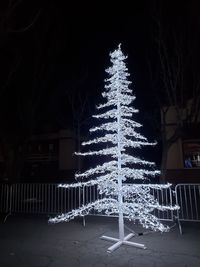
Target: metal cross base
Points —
{"points": [[121, 242]]}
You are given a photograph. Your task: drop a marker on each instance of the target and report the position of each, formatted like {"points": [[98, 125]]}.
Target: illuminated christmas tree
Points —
{"points": [[117, 131]]}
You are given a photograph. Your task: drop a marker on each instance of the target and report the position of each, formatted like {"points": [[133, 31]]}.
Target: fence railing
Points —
{"points": [[164, 197], [44, 198], [4, 198], [38, 198], [188, 198]]}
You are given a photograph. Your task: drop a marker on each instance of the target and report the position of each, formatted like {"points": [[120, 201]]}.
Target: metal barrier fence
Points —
{"points": [[51, 199], [44, 198], [164, 197], [4, 198], [37, 198], [188, 198]]}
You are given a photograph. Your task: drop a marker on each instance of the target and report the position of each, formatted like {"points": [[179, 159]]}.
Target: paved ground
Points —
{"points": [[32, 242]]}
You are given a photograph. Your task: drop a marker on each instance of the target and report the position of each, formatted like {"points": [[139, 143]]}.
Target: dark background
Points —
{"points": [[48, 49]]}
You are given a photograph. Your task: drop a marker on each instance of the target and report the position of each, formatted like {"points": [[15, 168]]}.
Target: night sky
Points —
{"points": [[49, 50]]}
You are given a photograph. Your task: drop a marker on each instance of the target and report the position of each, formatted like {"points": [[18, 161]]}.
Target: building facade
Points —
{"points": [[183, 152], [48, 158]]}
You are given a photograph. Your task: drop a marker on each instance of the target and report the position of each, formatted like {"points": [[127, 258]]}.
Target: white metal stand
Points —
{"points": [[122, 239], [121, 242]]}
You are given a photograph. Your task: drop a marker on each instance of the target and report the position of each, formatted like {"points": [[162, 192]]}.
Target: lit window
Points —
{"points": [[191, 154]]}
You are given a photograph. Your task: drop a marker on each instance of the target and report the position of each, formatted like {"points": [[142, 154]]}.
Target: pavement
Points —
{"points": [[29, 241]]}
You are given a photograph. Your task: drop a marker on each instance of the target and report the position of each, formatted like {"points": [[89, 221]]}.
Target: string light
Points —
{"points": [[119, 131]]}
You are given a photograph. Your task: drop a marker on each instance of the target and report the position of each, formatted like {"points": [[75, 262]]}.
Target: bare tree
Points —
{"points": [[21, 96], [80, 107]]}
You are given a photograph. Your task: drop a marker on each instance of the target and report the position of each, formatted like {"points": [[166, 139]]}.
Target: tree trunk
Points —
{"points": [[164, 163], [79, 145]]}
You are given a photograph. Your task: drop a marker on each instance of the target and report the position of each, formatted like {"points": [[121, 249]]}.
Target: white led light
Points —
{"points": [[118, 129]]}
